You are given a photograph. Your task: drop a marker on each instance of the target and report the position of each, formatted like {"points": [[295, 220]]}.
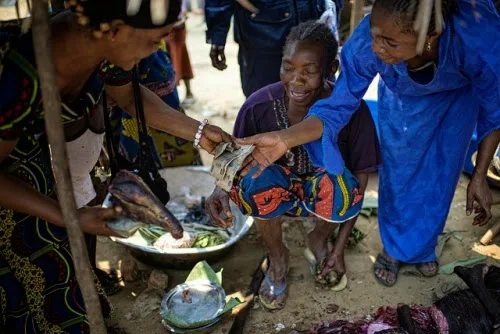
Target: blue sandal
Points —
{"points": [[275, 292]]}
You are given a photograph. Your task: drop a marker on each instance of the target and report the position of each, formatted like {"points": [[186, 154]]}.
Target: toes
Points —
{"points": [[281, 300], [391, 278]]}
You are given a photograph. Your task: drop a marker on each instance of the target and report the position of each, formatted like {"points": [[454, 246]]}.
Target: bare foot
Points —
{"points": [[318, 239], [428, 269], [273, 291], [336, 263]]}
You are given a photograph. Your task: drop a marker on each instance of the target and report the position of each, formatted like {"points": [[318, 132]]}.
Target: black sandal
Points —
{"points": [[110, 282], [383, 263]]}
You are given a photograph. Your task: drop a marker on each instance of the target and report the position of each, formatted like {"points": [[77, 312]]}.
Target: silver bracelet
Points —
{"points": [[198, 135]]}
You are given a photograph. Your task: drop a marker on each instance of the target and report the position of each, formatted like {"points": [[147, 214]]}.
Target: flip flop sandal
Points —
{"points": [[384, 264], [110, 281], [427, 273], [275, 292]]}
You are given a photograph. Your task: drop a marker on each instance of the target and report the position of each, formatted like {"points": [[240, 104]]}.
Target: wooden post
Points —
{"points": [[60, 166], [357, 13]]}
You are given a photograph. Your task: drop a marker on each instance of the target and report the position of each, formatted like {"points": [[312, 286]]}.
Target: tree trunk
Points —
{"points": [[60, 166]]}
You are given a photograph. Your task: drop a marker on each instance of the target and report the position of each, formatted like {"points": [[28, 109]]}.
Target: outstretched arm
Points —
{"points": [[161, 116]]}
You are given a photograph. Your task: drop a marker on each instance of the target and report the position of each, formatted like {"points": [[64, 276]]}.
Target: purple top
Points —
{"points": [[266, 111]]}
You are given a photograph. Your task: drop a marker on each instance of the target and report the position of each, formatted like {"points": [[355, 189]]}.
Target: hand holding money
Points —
{"points": [[227, 161]]}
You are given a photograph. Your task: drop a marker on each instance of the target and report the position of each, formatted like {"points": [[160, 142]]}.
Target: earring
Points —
{"points": [[428, 48]]}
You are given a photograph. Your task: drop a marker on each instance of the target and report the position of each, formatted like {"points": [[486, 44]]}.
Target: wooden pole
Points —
{"points": [[357, 13], [60, 166]]}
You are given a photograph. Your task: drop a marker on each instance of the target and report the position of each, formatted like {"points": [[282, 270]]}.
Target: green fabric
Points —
{"points": [[448, 268], [370, 206], [201, 271], [443, 239]]}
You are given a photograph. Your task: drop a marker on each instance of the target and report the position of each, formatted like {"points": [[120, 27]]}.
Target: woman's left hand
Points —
{"points": [[478, 191], [213, 135]]}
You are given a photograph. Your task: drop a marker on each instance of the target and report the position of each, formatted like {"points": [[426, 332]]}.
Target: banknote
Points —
{"points": [[227, 162]]}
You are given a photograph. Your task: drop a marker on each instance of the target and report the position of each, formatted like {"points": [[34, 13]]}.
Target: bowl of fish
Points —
{"points": [[161, 243]]}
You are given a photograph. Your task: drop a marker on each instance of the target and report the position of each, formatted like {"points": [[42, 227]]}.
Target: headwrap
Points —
{"points": [[99, 13]]}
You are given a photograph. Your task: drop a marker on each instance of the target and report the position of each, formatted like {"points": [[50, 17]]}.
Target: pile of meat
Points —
{"points": [[475, 310]]}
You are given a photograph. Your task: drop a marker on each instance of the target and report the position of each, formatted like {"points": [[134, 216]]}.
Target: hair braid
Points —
{"points": [[407, 11], [315, 33]]}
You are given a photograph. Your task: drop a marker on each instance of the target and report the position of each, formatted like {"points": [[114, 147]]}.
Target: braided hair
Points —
{"points": [[98, 14], [406, 12], [316, 33]]}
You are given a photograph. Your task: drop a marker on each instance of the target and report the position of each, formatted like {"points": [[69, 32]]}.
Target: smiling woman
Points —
{"points": [[294, 186]]}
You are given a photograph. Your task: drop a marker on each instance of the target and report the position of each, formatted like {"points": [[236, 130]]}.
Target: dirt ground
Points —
{"points": [[219, 97]]}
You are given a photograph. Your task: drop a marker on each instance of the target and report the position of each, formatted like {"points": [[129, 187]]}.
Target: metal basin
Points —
{"points": [[201, 183]]}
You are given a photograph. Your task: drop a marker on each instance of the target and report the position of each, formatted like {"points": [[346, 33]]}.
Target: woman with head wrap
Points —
{"points": [[39, 292]]}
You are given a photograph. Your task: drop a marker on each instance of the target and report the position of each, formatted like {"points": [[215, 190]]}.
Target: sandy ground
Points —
{"points": [[219, 97]]}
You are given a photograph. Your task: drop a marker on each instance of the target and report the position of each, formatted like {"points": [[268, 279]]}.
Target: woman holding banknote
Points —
{"points": [[429, 105]]}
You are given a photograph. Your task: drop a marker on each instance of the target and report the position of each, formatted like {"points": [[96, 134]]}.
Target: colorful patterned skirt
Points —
{"points": [[39, 292], [277, 192]]}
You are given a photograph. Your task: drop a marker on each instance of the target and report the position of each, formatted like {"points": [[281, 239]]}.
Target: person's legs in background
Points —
{"points": [[258, 69], [180, 59]]}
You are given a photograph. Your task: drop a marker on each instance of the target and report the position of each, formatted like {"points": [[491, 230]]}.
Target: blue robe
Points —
{"points": [[425, 130]]}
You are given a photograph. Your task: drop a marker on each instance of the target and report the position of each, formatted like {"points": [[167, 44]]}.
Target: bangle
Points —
{"points": [[198, 135]]}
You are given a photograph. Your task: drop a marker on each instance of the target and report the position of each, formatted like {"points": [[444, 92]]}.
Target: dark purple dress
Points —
{"points": [[265, 111], [293, 186]]}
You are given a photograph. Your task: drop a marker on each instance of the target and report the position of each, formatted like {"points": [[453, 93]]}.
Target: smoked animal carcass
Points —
{"points": [[139, 203], [475, 310]]}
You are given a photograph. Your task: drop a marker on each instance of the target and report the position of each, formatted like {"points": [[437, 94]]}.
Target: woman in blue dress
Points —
{"points": [[429, 105]]}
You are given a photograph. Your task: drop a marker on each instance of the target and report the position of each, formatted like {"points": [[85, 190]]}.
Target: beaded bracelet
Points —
{"points": [[198, 135]]}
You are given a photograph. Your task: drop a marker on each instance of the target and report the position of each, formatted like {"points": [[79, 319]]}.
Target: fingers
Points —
{"points": [[248, 6], [110, 233], [109, 213], [218, 57], [248, 167], [247, 161], [226, 207], [246, 141], [214, 210], [259, 171], [482, 218], [227, 138], [470, 204]]}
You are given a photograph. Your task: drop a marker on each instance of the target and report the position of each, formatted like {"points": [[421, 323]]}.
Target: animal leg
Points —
{"points": [[474, 278], [406, 322]]}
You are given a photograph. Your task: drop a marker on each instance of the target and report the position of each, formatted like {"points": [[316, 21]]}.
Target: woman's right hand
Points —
{"points": [[269, 147], [212, 136], [93, 220]]}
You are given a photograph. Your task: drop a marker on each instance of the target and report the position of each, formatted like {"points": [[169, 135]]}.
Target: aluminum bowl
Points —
{"points": [[201, 183]]}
